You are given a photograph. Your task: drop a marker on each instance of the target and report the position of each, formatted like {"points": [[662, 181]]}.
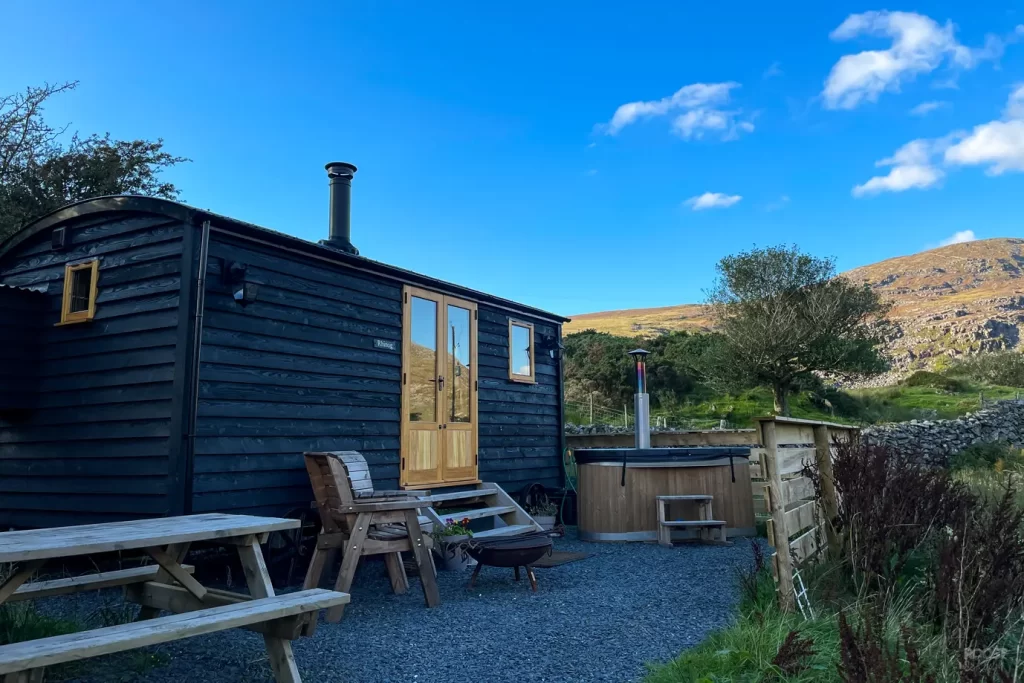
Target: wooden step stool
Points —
{"points": [[705, 524]]}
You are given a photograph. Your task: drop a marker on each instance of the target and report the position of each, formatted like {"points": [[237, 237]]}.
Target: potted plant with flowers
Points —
{"points": [[450, 542]]}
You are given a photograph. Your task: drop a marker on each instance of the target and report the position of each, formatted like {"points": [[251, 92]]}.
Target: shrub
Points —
{"points": [[978, 589], [868, 657], [923, 378], [1005, 368], [987, 455], [887, 508]]}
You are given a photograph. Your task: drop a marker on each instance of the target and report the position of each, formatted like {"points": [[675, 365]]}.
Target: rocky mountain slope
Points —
{"points": [[959, 299]]}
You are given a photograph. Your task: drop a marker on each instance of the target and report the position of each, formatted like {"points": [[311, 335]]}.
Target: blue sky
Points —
{"points": [[490, 150]]}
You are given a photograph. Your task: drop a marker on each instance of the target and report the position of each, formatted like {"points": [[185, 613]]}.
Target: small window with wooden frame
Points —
{"points": [[521, 359], [79, 304]]}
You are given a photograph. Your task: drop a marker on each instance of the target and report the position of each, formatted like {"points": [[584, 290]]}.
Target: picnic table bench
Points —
{"points": [[167, 585]]}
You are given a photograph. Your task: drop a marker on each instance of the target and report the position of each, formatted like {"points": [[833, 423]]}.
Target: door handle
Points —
{"points": [[440, 383]]}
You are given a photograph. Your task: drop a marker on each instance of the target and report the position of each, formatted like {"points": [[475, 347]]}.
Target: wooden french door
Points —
{"points": [[439, 388]]}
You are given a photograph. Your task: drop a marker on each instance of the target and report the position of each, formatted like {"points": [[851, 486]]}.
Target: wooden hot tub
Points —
{"points": [[609, 511]]}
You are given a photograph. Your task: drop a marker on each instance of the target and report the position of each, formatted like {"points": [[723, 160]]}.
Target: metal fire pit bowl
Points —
{"points": [[515, 552]]}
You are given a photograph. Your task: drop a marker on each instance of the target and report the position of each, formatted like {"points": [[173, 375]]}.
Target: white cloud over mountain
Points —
{"points": [[958, 238]]}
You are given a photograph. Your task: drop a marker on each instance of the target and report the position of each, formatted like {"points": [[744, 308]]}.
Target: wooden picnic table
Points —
{"points": [[167, 585]]}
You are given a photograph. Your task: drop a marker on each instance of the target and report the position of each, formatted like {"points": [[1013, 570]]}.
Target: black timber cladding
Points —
{"points": [[519, 423], [298, 369], [21, 317], [95, 447], [293, 371]]}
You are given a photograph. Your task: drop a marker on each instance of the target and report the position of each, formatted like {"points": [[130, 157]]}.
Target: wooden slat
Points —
{"points": [[801, 517], [460, 495], [43, 652], [805, 547], [688, 496], [794, 434], [792, 460], [694, 523], [511, 530], [760, 506], [175, 599], [799, 421], [21, 546], [485, 512], [76, 584], [795, 490]]}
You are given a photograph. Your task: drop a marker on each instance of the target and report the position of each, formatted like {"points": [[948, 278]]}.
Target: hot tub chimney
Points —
{"points": [[340, 237], [641, 402]]}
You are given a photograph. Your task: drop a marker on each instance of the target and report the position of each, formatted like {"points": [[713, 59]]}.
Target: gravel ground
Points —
{"points": [[598, 619]]}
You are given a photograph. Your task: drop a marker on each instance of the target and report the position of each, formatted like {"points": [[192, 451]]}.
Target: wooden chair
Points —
{"points": [[360, 521]]}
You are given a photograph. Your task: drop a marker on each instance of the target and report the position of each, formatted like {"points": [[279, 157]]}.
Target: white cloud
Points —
{"points": [[996, 144], [772, 71], [919, 46], [1015, 104], [911, 169], [999, 145], [591, 172], [958, 238], [701, 110], [778, 204], [712, 200], [926, 108]]}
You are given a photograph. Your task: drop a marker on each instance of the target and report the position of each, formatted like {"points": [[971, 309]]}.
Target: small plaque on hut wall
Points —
{"points": [[385, 344]]}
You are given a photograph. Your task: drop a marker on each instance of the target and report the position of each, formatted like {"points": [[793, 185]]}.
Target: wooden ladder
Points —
{"points": [[486, 501]]}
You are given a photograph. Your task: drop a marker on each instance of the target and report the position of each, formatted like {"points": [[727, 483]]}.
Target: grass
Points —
{"points": [[857, 406]]}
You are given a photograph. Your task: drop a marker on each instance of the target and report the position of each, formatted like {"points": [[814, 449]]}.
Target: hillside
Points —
{"points": [[959, 299]]}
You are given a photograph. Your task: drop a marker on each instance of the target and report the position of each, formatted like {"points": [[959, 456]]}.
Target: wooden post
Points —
{"points": [[777, 508], [829, 502]]}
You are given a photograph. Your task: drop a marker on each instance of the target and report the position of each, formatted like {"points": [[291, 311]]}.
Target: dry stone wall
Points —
{"points": [[936, 440]]}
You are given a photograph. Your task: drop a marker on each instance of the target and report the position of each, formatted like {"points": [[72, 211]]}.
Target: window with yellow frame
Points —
{"points": [[521, 366], [79, 303]]}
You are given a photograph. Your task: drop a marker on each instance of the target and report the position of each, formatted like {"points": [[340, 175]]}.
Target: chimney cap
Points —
{"points": [[340, 168]]}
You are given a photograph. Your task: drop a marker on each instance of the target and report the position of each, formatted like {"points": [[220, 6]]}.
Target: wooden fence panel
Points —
{"points": [[800, 523]]}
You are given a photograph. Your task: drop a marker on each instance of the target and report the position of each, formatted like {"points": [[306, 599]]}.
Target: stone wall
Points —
{"points": [[936, 440]]}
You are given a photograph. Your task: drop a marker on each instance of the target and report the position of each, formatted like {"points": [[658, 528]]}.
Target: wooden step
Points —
{"points": [[511, 530], [34, 654], [688, 496], [694, 523], [479, 513], [459, 495]]}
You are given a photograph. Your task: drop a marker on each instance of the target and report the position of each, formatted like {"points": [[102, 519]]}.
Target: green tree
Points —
{"points": [[783, 318], [599, 362], [43, 168]]}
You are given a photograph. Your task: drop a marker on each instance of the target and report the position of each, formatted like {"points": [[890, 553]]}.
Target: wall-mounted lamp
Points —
{"points": [[246, 292], [553, 345], [234, 274]]}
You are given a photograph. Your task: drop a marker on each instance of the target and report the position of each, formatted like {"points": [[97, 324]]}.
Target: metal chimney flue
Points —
{"points": [[641, 401], [340, 235]]}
